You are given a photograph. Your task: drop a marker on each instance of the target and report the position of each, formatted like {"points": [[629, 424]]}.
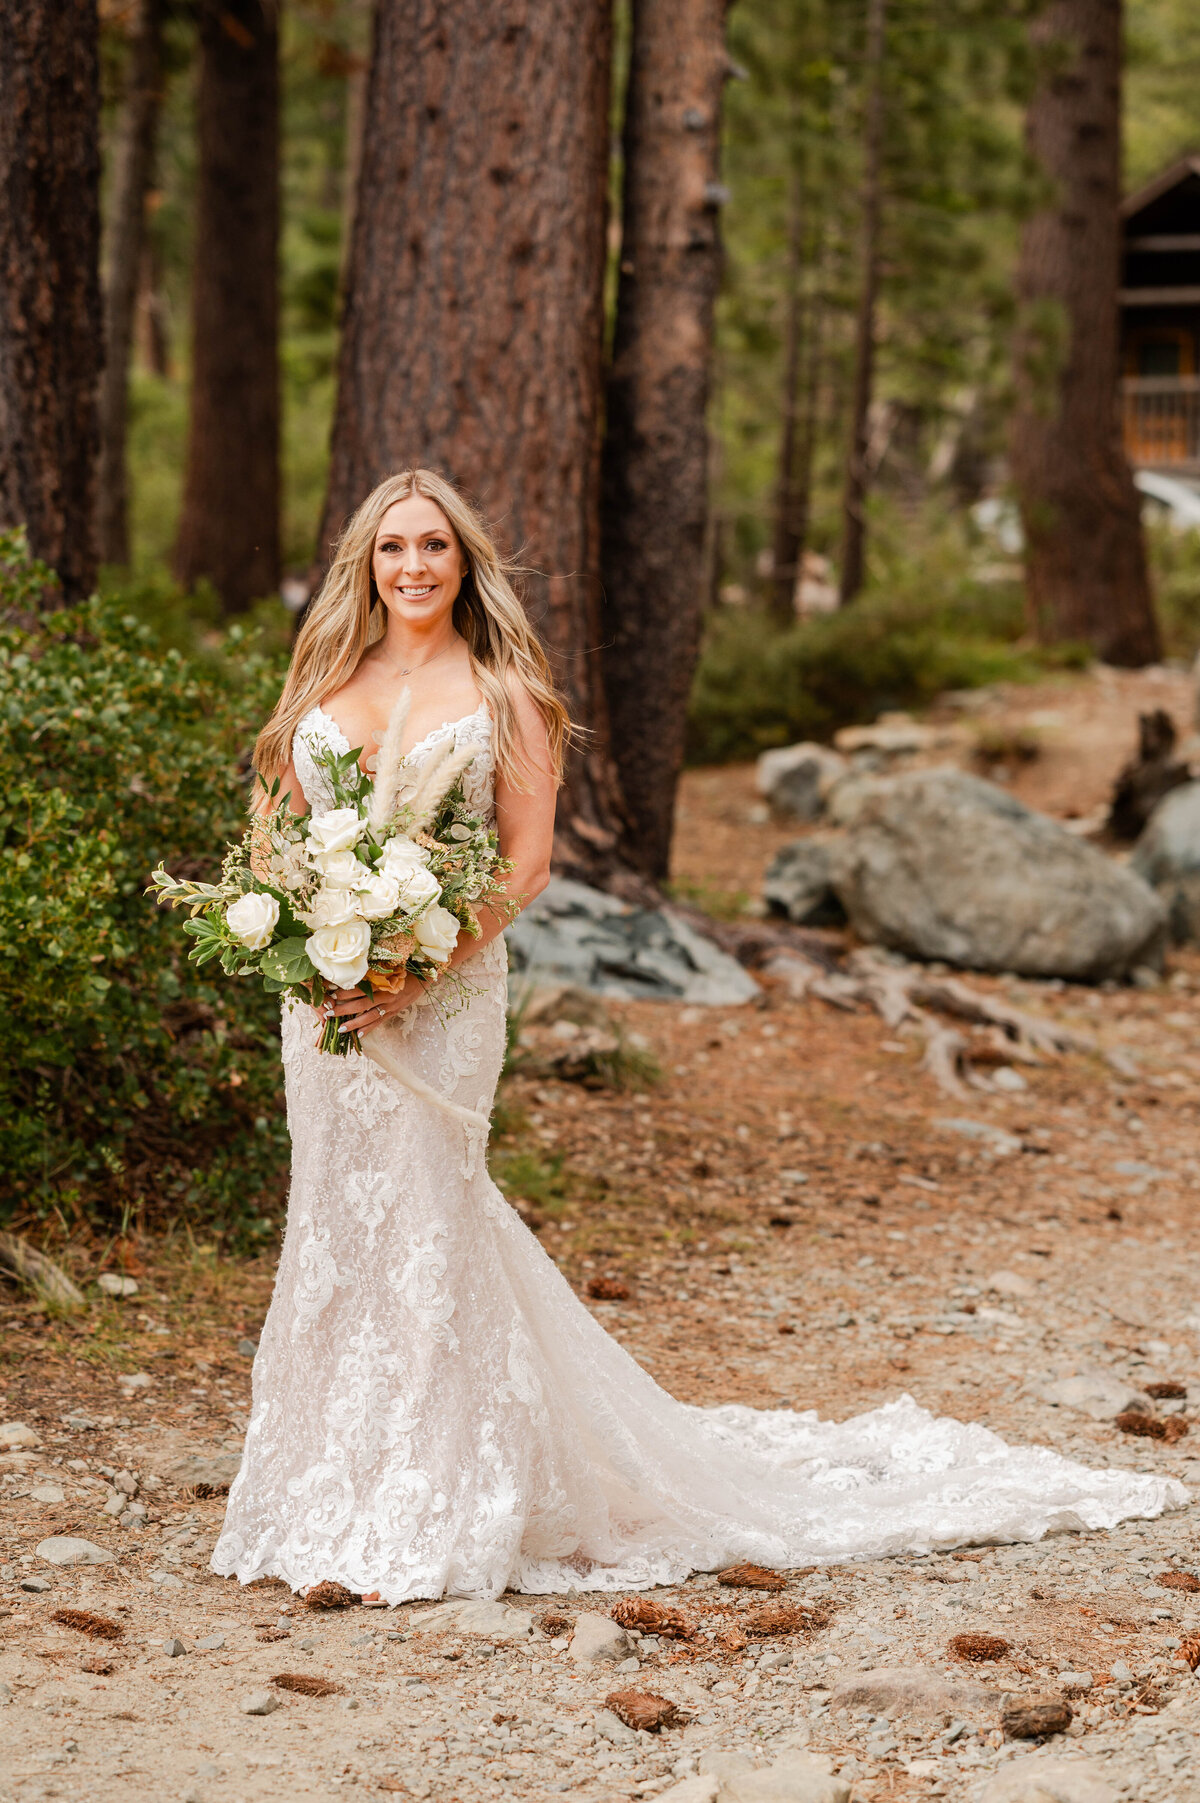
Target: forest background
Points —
{"points": [[134, 1091]]}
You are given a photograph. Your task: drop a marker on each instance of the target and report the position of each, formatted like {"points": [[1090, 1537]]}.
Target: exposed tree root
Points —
{"points": [[49, 1280]]}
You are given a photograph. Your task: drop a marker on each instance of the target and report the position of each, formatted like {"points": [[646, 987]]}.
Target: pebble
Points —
{"points": [[611, 1727], [37, 1585], [1037, 1780], [14, 1435], [173, 1648], [65, 1549], [213, 1643], [1070, 1681], [913, 1689], [692, 1790], [1010, 1283], [259, 1702], [796, 1778], [1100, 1394], [247, 1348], [135, 1380], [113, 1284], [598, 1639], [498, 1623], [47, 1493]]}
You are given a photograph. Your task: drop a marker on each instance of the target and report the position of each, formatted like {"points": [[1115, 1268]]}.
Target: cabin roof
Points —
{"points": [[1186, 170]]}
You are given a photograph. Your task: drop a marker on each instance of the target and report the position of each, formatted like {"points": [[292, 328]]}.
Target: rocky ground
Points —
{"points": [[798, 1216]]}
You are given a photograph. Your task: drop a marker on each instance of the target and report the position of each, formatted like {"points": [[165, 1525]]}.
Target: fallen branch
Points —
{"points": [[43, 1276]]}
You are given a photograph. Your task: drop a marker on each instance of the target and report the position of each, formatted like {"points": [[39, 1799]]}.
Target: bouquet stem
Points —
{"points": [[333, 1040]]}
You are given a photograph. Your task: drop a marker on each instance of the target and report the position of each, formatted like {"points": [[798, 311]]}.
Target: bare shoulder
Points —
{"points": [[530, 721]]}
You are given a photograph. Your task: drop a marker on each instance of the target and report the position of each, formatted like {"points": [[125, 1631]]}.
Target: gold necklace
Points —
{"points": [[397, 671]]}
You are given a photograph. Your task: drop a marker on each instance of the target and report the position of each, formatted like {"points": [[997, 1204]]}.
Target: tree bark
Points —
{"points": [[472, 339], [655, 463], [1085, 563], [51, 333], [854, 500], [132, 171], [229, 529]]}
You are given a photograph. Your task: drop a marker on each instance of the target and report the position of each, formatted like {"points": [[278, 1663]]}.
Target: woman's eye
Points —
{"points": [[436, 544]]}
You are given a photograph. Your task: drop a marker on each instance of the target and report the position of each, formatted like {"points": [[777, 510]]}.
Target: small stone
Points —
{"points": [[692, 1790], [135, 1380], [212, 1643], [1075, 1681], [14, 1435], [1038, 1780], [1098, 1393], [725, 1765], [47, 1493], [1028, 1718], [910, 1690], [1010, 1283], [113, 1284], [37, 1585], [1006, 1078], [597, 1638], [796, 1778], [247, 1348], [611, 1727], [6, 1695], [498, 1623], [173, 1648], [259, 1702], [65, 1549]]}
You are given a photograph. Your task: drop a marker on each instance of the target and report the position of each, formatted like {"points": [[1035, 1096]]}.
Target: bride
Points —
{"points": [[434, 1411]]}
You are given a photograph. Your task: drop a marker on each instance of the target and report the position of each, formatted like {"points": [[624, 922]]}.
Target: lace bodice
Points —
{"points": [[319, 731]]}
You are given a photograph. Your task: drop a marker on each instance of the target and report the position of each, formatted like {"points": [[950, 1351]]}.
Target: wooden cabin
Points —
{"points": [[1160, 321]]}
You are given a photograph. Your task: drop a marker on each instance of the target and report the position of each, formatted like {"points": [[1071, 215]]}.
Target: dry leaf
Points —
{"points": [[306, 1684], [652, 1618], [98, 1626], [978, 1646], [752, 1577], [643, 1709]]}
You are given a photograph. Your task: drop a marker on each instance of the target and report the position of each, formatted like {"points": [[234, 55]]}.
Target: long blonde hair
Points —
{"points": [[345, 617]]}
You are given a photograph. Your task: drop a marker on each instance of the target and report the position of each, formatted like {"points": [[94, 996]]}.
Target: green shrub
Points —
{"points": [[926, 625], [130, 1088]]}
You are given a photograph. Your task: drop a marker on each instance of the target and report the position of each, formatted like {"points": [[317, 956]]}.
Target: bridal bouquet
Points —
{"points": [[374, 890]]}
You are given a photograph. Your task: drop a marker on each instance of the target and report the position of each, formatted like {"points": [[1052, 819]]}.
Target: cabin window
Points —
{"points": [[1161, 351]]}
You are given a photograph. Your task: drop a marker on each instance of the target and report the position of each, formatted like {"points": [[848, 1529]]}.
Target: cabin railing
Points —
{"points": [[1160, 421]]}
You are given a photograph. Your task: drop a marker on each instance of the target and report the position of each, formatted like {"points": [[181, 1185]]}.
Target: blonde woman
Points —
{"points": [[434, 1411]]}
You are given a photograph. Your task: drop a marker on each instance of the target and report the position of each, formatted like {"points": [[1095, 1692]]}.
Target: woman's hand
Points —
{"points": [[360, 1013]]}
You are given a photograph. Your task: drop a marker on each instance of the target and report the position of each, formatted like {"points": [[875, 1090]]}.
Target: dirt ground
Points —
{"points": [[801, 1219]]}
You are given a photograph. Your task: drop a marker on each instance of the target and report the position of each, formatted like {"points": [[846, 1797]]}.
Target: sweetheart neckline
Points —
{"points": [[419, 745]]}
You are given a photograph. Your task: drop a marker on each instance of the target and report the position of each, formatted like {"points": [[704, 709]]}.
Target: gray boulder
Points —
{"points": [[598, 1640], [799, 883], [796, 779], [580, 936], [1167, 856], [939, 865]]}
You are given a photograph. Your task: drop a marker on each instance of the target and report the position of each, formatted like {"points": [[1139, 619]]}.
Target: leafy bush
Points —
{"points": [[927, 625], [130, 1086]]}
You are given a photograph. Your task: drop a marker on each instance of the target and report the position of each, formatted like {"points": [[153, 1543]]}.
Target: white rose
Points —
{"points": [[437, 933], [330, 908], [377, 896], [415, 888], [252, 919], [341, 869], [402, 854], [336, 830], [341, 953]]}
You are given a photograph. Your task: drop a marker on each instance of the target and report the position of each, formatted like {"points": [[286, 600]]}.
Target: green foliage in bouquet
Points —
{"points": [[132, 1086]]}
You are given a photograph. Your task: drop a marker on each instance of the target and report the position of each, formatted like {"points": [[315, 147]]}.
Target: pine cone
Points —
{"points": [[752, 1577], [329, 1595], [642, 1709], [652, 1618]]}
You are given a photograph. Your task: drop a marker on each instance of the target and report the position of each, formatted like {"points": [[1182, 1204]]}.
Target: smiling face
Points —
{"points": [[417, 563]]}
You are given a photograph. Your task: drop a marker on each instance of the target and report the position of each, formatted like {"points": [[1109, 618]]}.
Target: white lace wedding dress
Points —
{"points": [[436, 1413]]}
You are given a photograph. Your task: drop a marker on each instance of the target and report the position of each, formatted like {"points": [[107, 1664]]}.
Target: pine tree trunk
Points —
{"points": [[787, 539], [854, 501], [472, 340], [51, 331], [127, 236], [1085, 563], [655, 490], [229, 529]]}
